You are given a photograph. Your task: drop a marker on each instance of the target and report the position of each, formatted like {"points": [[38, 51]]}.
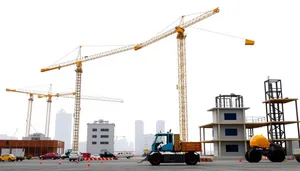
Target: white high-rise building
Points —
{"points": [[139, 137], [160, 126], [100, 137], [63, 128]]}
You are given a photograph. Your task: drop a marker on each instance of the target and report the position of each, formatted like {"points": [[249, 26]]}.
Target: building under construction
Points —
{"points": [[34, 145], [232, 129]]}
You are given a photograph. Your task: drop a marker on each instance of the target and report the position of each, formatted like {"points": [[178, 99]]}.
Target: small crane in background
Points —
{"points": [[30, 101], [49, 96]]}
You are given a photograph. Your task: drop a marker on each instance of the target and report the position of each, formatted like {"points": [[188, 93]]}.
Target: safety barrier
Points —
{"points": [[206, 160], [101, 158]]}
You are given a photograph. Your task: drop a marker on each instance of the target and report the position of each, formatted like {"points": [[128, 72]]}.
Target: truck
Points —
{"points": [[260, 146], [296, 154], [167, 148], [67, 154], [17, 152]]}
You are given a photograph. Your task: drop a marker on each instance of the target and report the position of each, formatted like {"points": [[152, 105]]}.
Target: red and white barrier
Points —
{"points": [[100, 158]]}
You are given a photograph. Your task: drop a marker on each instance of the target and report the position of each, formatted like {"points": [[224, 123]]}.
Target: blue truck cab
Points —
{"points": [[163, 142]]}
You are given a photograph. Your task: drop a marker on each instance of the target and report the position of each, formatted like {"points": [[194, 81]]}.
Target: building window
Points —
{"points": [[104, 129], [94, 142], [104, 136], [229, 116], [232, 148], [231, 132], [94, 136], [94, 129], [103, 142]]}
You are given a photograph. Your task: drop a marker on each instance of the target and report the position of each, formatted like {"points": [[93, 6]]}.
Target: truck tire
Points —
{"points": [[155, 159], [254, 156], [191, 158], [276, 155], [297, 158], [247, 156]]}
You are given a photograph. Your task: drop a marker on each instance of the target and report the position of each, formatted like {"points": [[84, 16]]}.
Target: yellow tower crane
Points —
{"points": [[30, 101], [181, 71]]}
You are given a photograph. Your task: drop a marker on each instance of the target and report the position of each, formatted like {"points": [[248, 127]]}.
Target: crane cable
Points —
{"points": [[218, 33]]}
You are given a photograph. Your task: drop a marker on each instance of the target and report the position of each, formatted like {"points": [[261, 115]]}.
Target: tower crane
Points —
{"points": [[181, 71], [30, 101], [49, 101]]}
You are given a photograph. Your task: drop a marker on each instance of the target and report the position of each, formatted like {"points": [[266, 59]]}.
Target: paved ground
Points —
{"points": [[132, 165]]}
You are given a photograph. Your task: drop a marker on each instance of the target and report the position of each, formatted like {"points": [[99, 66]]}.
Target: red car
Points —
{"points": [[52, 156], [86, 155]]}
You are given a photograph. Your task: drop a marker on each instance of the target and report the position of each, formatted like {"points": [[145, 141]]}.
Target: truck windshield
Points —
{"points": [[162, 138]]}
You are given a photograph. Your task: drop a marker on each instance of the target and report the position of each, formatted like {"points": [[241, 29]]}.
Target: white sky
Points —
{"points": [[35, 34]]}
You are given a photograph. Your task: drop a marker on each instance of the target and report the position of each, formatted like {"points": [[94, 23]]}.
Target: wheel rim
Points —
{"points": [[192, 158]]}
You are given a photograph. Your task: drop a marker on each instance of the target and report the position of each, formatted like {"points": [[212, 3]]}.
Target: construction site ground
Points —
{"points": [[131, 164]]}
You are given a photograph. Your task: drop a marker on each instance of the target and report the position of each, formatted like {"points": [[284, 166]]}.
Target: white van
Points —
{"points": [[125, 154]]}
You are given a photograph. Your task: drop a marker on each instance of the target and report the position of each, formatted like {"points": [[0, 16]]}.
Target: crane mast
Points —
{"points": [[48, 114], [77, 107], [29, 113], [182, 85]]}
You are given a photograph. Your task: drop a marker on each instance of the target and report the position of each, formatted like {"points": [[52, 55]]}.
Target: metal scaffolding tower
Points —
{"points": [[275, 112]]}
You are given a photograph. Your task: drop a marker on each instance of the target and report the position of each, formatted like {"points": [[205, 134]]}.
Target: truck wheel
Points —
{"points": [[191, 158], [156, 159], [276, 155], [297, 158], [254, 156], [247, 156]]}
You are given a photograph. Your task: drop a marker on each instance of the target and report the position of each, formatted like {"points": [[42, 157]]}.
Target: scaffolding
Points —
{"points": [[275, 112], [229, 101]]}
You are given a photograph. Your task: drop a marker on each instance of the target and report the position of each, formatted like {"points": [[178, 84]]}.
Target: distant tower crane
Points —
{"points": [[49, 95], [30, 101], [181, 71], [49, 101]]}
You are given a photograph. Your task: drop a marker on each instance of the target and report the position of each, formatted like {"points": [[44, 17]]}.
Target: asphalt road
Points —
{"points": [[132, 165]]}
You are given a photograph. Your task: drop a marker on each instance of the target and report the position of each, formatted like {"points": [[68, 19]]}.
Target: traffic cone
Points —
{"points": [[41, 162], [76, 161], [59, 162], [89, 164]]}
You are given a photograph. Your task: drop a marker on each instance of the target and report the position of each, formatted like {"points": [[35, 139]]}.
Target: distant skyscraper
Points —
{"points": [[139, 137], [63, 128], [160, 126]]}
